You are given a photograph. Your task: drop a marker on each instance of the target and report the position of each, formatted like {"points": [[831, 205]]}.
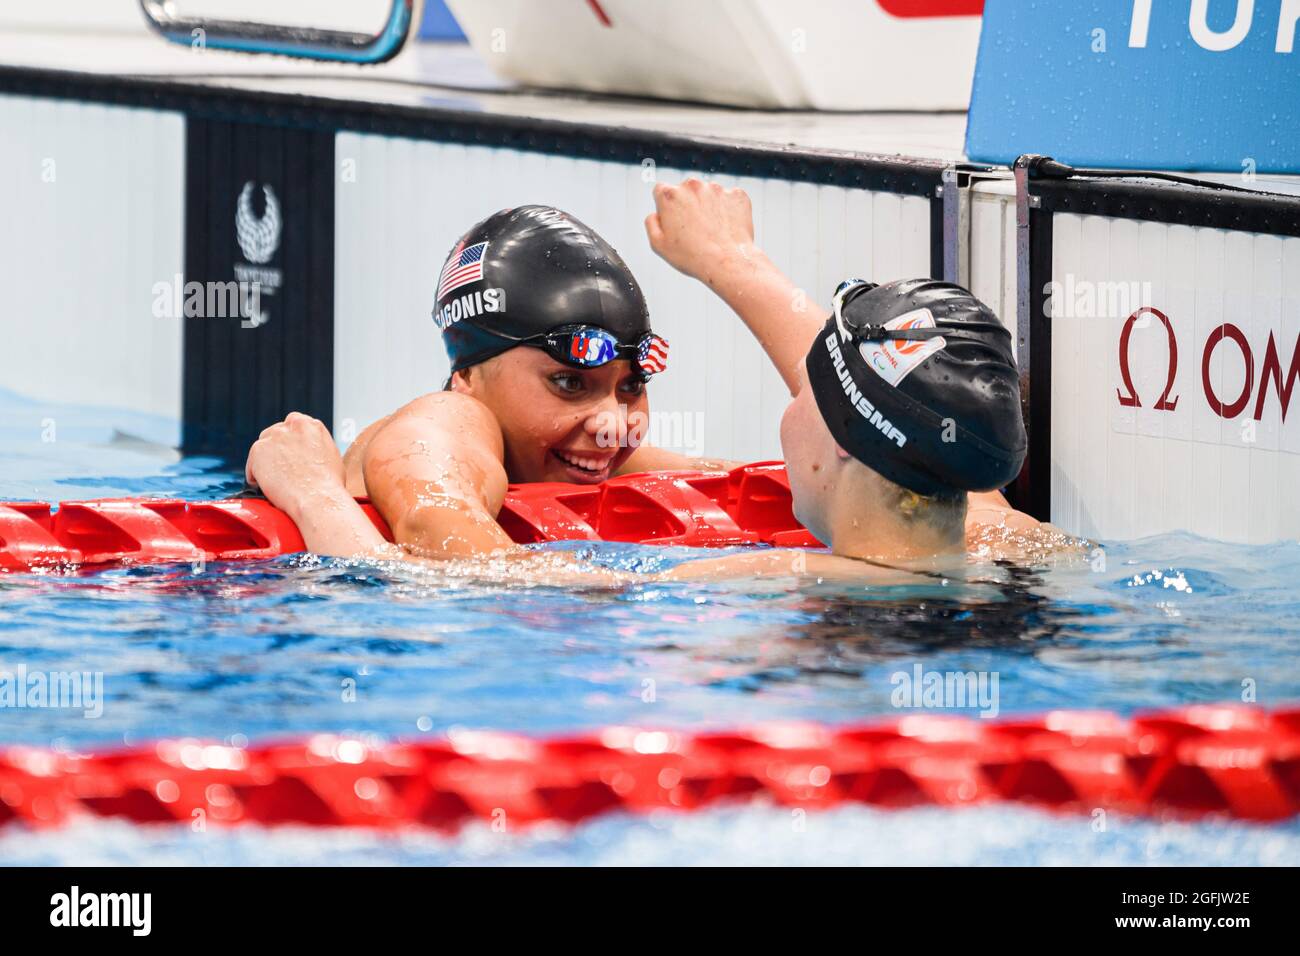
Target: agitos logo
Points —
{"points": [[1228, 336]]}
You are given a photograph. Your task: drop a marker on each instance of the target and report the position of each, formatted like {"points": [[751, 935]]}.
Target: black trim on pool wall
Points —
{"points": [[1032, 490], [937, 236], [1271, 213], [239, 377], [584, 141]]}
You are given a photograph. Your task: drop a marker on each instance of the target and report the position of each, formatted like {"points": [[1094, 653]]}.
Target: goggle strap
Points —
{"points": [[879, 333]]}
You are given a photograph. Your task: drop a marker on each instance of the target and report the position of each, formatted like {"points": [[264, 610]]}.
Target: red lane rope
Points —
{"points": [[747, 505], [1230, 760]]}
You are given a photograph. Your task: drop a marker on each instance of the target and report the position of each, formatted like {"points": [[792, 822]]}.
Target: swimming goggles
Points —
{"points": [[855, 327], [589, 346], [866, 331]]}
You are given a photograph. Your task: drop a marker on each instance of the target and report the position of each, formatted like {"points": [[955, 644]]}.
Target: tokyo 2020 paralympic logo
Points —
{"points": [[259, 237]]}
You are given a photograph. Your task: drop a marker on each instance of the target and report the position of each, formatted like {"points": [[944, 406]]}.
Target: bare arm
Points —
{"points": [[355, 455], [296, 464], [434, 471], [781, 562], [440, 503], [439, 487], [707, 232], [450, 527]]}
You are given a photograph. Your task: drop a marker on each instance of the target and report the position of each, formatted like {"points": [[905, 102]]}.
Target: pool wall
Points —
{"points": [[1157, 326], [93, 201]]}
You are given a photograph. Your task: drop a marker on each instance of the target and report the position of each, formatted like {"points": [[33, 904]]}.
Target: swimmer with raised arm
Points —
{"points": [[881, 457], [707, 232]]}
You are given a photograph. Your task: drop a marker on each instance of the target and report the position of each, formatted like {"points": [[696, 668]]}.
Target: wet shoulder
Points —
{"points": [[1027, 544], [459, 416], [452, 407]]}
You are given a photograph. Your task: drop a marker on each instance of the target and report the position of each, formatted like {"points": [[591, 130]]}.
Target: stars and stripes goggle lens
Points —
{"points": [[588, 346]]}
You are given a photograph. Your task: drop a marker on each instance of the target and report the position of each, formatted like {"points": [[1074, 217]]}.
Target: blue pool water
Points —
{"points": [[275, 648]]}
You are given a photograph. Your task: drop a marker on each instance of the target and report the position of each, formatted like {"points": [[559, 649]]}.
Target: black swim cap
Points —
{"points": [[527, 271], [916, 380]]}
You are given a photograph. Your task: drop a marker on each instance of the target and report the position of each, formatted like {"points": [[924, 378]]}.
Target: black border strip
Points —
{"points": [[937, 235], [236, 380], [586, 141], [1269, 213], [1033, 487]]}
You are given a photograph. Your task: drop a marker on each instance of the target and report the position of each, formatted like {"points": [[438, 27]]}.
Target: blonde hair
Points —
{"points": [[944, 511]]}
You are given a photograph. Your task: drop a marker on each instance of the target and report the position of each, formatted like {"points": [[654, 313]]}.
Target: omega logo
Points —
{"points": [[1230, 336]]}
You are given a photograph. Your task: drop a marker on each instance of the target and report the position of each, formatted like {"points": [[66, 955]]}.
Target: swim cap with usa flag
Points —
{"points": [[525, 272], [916, 380]]}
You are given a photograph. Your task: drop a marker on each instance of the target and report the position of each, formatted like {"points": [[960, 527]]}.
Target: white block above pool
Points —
{"points": [[93, 202]]}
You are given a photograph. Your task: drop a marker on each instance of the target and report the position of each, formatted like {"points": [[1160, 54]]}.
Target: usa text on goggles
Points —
{"points": [[589, 346]]}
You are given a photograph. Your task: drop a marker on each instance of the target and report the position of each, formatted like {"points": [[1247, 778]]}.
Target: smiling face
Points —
{"points": [[560, 423]]}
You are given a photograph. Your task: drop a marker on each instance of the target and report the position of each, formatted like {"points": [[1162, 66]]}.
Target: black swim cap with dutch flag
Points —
{"points": [[536, 276], [916, 380]]}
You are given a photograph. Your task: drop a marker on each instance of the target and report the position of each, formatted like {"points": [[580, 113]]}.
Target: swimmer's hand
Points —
{"points": [[707, 232], [297, 466], [702, 229], [294, 461]]}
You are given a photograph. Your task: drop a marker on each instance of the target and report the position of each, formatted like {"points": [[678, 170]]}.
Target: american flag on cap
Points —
{"points": [[652, 356], [464, 265]]}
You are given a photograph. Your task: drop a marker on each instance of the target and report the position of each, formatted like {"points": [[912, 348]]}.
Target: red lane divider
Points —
{"points": [[748, 505], [1227, 760]]}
